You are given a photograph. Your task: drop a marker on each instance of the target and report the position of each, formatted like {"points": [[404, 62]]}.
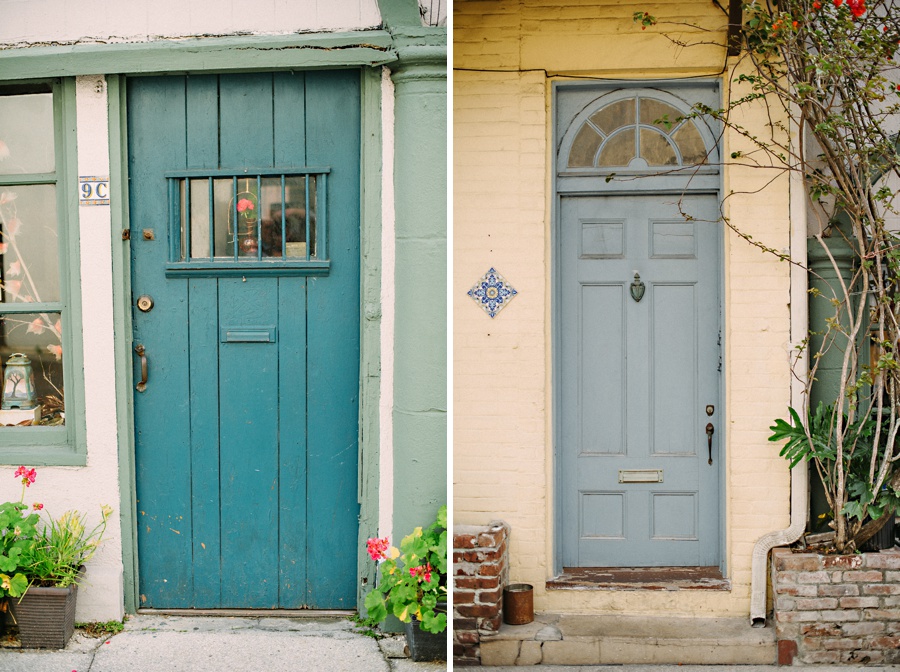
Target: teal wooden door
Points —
{"points": [[640, 477], [244, 211]]}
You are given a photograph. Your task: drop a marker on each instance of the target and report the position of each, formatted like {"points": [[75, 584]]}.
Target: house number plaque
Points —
{"points": [[93, 190]]}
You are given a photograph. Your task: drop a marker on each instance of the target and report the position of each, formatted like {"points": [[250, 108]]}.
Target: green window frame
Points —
{"points": [[61, 444]]}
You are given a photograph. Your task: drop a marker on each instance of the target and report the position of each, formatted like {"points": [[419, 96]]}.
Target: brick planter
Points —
{"points": [[837, 608], [480, 571]]}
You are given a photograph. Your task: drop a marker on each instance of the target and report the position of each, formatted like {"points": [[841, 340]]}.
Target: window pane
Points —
{"points": [[690, 144], [656, 150], [199, 218], [619, 150], [26, 134], [38, 338], [298, 216], [271, 216], [654, 110], [614, 116], [253, 217], [584, 148], [28, 244]]}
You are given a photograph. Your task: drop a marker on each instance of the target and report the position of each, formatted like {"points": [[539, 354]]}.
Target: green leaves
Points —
{"points": [[412, 579], [16, 532], [375, 606], [801, 446]]}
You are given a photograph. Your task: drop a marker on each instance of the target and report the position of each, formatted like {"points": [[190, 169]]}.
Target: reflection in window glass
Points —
{"points": [[26, 134], [28, 244], [32, 341]]}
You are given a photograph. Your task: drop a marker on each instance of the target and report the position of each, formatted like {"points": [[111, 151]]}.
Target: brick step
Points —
{"points": [[565, 639]]}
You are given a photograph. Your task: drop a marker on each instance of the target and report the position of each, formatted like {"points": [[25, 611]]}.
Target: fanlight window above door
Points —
{"points": [[637, 133]]}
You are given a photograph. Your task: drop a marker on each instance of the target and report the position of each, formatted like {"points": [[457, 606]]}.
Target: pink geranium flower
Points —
{"points": [[28, 476], [244, 204], [377, 548]]}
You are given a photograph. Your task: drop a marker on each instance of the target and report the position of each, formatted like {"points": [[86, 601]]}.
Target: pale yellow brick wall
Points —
{"points": [[503, 461]]}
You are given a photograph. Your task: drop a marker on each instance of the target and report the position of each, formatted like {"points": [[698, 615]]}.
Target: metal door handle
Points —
{"points": [[141, 352], [709, 433]]}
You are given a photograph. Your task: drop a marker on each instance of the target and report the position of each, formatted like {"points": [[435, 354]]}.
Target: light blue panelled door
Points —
{"points": [[244, 221], [640, 365]]}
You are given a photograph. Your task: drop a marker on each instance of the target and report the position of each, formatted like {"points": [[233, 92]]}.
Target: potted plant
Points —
{"points": [[16, 530], [413, 587], [51, 563]]}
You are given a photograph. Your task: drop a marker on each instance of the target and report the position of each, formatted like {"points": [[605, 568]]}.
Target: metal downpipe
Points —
{"points": [[759, 563]]}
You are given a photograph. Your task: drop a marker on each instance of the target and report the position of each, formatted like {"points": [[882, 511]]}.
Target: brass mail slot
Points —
{"points": [[640, 475]]}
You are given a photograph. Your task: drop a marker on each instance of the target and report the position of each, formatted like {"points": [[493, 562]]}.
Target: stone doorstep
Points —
{"points": [[566, 639]]}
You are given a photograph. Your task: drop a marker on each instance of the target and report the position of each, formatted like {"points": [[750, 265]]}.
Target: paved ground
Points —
{"points": [[223, 644]]}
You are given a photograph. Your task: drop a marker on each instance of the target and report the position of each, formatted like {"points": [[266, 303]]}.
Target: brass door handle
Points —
{"points": [[709, 434], [141, 352]]}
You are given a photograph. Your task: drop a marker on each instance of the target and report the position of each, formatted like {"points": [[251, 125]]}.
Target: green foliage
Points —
{"points": [[819, 440], [365, 626], [17, 527], [101, 628], [413, 578], [61, 548]]}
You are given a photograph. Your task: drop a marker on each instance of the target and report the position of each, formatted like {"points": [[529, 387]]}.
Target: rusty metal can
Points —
{"points": [[518, 604]]}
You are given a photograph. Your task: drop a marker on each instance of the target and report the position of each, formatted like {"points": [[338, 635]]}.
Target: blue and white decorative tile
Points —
{"points": [[492, 292]]}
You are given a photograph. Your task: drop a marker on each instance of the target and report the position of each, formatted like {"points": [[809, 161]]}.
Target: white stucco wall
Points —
{"points": [[62, 21]]}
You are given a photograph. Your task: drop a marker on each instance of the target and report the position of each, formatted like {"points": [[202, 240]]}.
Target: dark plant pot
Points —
{"points": [[45, 617], [424, 645], [883, 539]]}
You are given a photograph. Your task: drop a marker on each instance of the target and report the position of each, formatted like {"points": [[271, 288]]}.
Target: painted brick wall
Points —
{"points": [[837, 609], [500, 383], [502, 367], [480, 572]]}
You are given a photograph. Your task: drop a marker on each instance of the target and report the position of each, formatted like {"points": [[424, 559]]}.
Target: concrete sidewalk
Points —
{"points": [[154, 643], [684, 668]]}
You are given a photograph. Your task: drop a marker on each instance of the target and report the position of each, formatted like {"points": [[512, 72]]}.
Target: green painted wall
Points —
{"points": [[420, 279], [370, 325]]}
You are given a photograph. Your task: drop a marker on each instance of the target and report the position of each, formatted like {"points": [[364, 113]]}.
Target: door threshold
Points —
{"points": [[253, 613], [639, 578]]}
